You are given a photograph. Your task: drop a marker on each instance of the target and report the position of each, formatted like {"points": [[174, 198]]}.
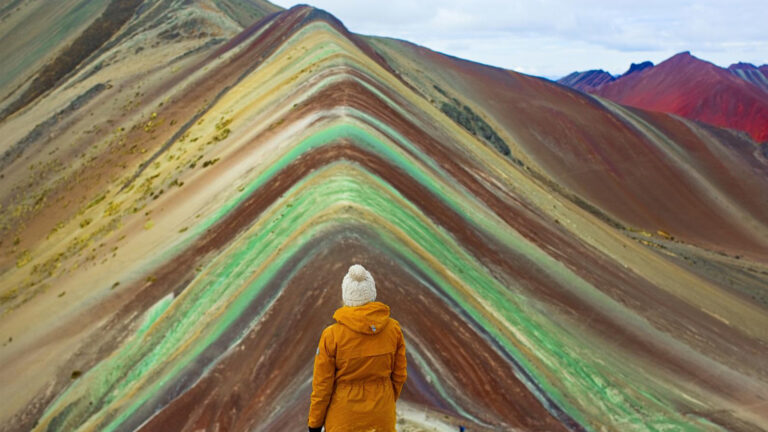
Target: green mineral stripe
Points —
{"points": [[151, 315], [213, 300], [365, 138], [228, 284]]}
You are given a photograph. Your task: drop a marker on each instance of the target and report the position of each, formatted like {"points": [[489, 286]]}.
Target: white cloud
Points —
{"points": [[555, 37]]}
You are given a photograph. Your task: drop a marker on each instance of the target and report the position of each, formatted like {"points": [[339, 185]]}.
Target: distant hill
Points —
{"points": [[754, 74], [587, 81], [734, 98], [637, 67]]}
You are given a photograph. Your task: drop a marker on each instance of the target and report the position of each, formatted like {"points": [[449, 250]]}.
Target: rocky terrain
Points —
{"points": [[182, 193]]}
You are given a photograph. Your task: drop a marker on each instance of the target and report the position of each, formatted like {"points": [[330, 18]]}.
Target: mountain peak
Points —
{"points": [[587, 80], [637, 67], [742, 65], [683, 57], [686, 60]]}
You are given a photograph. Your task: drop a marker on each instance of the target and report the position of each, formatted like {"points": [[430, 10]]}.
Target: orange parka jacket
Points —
{"points": [[359, 371]]}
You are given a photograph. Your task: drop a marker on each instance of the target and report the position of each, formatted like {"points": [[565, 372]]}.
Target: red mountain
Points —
{"points": [[695, 89]]}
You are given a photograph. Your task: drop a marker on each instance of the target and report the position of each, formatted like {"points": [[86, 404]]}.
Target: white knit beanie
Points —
{"points": [[358, 287]]}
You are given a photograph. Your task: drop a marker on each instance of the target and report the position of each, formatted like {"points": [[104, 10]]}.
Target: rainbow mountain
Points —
{"points": [[181, 200]]}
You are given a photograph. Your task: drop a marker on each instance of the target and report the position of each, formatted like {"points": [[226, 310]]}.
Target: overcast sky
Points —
{"points": [[555, 37]]}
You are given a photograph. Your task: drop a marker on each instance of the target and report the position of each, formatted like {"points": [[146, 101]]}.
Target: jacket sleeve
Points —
{"points": [[399, 372], [322, 379]]}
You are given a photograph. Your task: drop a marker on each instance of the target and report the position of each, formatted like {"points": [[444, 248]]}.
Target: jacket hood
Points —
{"points": [[370, 318]]}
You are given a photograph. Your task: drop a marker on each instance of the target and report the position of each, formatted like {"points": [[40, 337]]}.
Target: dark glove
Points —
{"points": [[317, 429]]}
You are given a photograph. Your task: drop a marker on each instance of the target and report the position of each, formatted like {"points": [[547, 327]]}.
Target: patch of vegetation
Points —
{"points": [[113, 208], [222, 131], [275, 124], [193, 164], [23, 259], [96, 201], [151, 125], [210, 162], [473, 123], [8, 296], [117, 13]]}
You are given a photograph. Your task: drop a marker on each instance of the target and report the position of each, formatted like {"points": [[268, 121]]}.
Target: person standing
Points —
{"points": [[360, 366]]}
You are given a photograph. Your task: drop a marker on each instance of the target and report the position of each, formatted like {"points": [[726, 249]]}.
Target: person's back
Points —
{"points": [[360, 364]]}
